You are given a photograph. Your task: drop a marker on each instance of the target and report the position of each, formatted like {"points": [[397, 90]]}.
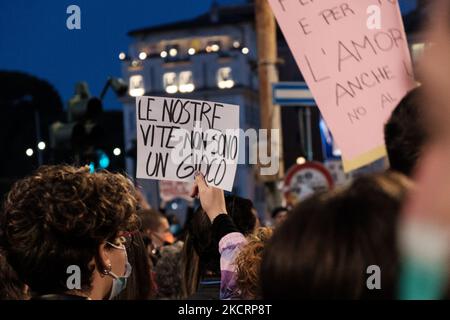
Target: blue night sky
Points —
{"points": [[34, 37]]}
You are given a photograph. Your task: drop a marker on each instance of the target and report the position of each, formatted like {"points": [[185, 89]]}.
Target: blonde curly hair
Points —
{"points": [[248, 263]]}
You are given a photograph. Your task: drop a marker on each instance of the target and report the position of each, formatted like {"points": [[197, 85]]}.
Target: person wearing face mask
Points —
{"points": [[64, 231], [119, 283]]}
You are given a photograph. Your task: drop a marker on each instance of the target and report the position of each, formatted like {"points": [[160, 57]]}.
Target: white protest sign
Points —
{"points": [[177, 137]]}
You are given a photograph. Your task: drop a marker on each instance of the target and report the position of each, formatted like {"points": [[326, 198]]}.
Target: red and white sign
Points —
{"points": [[304, 180], [170, 190]]}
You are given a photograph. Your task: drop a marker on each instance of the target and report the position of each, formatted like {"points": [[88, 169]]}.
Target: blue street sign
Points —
{"points": [[292, 94]]}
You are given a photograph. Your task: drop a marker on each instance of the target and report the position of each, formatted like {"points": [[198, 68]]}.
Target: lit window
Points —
{"points": [[173, 52], [143, 55], [170, 82], [213, 46], [224, 78], [136, 86], [186, 82], [191, 51]]}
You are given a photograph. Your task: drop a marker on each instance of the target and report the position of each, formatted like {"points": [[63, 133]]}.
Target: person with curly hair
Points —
{"points": [[248, 263], [64, 230], [168, 272]]}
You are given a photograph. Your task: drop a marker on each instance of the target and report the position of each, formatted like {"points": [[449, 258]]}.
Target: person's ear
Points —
{"points": [[103, 262]]}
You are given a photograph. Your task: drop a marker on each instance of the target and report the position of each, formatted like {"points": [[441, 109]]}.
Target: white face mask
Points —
{"points": [[119, 283]]}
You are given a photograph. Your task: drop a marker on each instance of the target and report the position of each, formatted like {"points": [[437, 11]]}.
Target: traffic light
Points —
{"points": [[81, 139]]}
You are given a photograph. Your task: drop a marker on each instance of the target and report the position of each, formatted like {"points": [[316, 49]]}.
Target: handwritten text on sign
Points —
{"points": [[177, 137], [357, 75]]}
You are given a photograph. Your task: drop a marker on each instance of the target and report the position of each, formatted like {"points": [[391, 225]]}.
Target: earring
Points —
{"points": [[106, 270]]}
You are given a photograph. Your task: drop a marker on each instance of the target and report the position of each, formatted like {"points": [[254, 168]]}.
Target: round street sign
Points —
{"points": [[304, 180]]}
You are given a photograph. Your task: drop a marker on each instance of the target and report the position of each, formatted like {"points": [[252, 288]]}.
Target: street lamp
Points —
{"points": [[41, 145], [29, 152], [215, 47], [301, 160], [117, 152], [173, 52], [117, 84], [143, 55]]}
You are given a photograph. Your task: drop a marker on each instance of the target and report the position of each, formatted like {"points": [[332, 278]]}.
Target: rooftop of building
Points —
{"points": [[217, 15]]}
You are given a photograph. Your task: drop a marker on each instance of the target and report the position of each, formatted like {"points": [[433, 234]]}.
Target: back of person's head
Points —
{"points": [[405, 133], [328, 241], [248, 263], [278, 210], [279, 215], [168, 272], [150, 219], [201, 251], [61, 216], [11, 288]]}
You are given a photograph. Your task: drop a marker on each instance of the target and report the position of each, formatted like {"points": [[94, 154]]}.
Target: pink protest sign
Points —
{"points": [[354, 57]]}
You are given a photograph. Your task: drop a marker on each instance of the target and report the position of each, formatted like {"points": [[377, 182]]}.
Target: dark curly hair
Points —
{"points": [[58, 217]]}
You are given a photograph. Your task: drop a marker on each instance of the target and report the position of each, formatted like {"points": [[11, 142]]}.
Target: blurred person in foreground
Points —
{"points": [[62, 218], [326, 245], [425, 225]]}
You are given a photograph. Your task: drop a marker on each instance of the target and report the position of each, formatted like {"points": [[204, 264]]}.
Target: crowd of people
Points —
{"points": [[67, 233]]}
